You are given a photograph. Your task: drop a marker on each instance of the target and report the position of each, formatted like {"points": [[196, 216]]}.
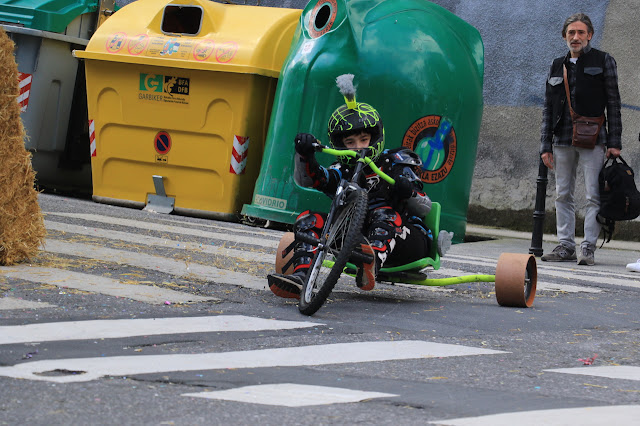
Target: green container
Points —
{"points": [[45, 15], [418, 64]]}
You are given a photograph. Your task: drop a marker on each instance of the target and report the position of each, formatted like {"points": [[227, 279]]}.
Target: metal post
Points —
{"points": [[539, 212], [105, 9]]}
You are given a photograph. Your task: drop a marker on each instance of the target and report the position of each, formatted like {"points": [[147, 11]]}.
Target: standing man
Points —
{"points": [[593, 83]]}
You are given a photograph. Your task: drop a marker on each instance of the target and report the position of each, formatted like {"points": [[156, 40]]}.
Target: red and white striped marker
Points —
{"points": [[239, 155], [24, 84], [92, 138]]}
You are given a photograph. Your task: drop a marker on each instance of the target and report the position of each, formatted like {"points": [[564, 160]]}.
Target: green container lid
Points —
{"points": [[45, 15], [418, 64]]}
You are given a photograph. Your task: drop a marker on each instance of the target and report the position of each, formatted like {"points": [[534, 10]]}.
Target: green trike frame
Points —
{"points": [[515, 278]]}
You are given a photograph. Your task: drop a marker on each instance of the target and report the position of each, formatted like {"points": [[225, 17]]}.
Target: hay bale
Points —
{"points": [[21, 223]]}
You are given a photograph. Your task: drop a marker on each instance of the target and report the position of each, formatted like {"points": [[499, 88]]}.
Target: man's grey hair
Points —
{"points": [[578, 17]]}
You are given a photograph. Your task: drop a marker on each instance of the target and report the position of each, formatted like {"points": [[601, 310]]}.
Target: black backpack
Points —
{"points": [[619, 197]]}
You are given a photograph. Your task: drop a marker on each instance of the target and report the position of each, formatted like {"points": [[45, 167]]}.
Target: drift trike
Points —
{"points": [[338, 250]]}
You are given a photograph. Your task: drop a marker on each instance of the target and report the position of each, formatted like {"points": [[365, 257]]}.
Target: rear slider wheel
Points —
{"points": [[516, 279]]}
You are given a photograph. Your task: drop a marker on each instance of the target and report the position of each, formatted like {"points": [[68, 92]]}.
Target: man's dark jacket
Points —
{"points": [[590, 92]]}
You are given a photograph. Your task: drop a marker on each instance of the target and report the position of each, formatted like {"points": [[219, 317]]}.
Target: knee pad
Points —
{"points": [[297, 255], [386, 215], [309, 221], [385, 223], [384, 226], [293, 255]]}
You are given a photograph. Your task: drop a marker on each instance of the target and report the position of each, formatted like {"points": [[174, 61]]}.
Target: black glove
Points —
{"points": [[403, 188], [304, 144]]}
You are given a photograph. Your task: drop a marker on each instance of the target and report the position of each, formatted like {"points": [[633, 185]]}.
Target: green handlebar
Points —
{"points": [[366, 160]]}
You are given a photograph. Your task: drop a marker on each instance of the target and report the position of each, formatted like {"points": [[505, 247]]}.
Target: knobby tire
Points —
{"points": [[344, 234]]}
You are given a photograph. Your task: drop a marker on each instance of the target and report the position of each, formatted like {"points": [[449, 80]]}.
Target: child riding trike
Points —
{"points": [[379, 227]]}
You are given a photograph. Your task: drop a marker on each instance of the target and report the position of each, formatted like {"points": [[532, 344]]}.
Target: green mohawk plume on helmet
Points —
{"points": [[355, 117]]}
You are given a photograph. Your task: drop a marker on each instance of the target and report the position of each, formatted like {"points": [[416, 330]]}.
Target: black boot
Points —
{"points": [[287, 286]]}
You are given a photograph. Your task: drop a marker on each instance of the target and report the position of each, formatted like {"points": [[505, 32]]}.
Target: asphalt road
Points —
{"points": [[130, 317]]}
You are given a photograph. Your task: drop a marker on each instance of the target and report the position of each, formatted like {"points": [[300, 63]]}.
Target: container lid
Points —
{"points": [[196, 34], [45, 15]]}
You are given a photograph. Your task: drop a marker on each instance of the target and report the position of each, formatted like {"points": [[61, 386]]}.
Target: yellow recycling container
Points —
{"points": [[179, 100]]}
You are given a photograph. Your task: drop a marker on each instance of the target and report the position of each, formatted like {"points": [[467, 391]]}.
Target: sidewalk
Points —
{"points": [[611, 259], [497, 233]]}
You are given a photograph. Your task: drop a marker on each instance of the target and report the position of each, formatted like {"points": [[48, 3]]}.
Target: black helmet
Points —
{"points": [[403, 161], [405, 157], [355, 117]]}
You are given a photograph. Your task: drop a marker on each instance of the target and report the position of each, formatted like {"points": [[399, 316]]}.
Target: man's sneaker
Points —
{"points": [[560, 254], [586, 257], [287, 286], [366, 276], [635, 267]]}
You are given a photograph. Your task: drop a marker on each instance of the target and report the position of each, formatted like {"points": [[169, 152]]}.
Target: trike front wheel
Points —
{"points": [[343, 235]]}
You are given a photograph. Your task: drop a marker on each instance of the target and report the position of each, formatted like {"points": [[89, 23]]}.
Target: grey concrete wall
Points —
{"points": [[520, 44], [521, 38]]}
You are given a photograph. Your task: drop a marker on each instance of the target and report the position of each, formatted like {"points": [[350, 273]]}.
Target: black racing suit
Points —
{"points": [[393, 226]]}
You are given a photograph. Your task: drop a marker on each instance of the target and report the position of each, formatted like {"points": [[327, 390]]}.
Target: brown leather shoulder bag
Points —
{"points": [[585, 129]]}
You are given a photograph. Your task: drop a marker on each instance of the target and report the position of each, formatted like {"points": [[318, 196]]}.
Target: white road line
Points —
{"points": [[593, 277], [156, 263], [626, 372], [552, 266], [100, 284], [231, 236], [546, 286], [9, 303], [165, 219], [86, 369], [162, 242], [583, 416], [290, 395], [251, 256], [580, 273], [110, 329], [253, 230]]}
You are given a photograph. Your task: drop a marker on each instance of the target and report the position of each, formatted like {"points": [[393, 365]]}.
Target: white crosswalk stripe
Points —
{"points": [[626, 372], [101, 285], [217, 245], [280, 394], [583, 416], [289, 395], [595, 277], [143, 293], [264, 239], [110, 286], [590, 416], [256, 238], [9, 303], [109, 329], [161, 242], [156, 263], [87, 369]]}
